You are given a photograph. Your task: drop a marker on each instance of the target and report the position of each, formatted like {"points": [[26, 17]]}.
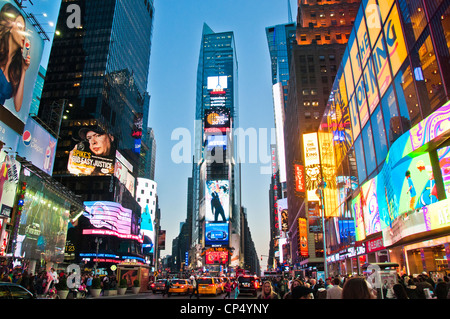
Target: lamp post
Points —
{"points": [[319, 193], [98, 241]]}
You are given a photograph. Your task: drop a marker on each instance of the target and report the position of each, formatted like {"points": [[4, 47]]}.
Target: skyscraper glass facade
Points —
{"points": [[217, 99]]}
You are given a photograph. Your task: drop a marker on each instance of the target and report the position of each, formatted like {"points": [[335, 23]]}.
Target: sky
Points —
{"points": [[177, 31]]}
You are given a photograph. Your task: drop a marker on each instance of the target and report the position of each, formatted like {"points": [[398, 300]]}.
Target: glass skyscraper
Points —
{"points": [[96, 81], [217, 115]]}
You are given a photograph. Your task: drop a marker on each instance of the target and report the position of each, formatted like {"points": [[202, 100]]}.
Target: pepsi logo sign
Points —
{"points": [[26, 137]]}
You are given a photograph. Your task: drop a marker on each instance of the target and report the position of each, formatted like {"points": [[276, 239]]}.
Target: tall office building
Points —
{"points": [[216, 172], [95, 99], [323, 29]]}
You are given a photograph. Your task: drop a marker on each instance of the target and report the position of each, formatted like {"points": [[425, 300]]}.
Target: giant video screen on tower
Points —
{"points": [[217, 201]]}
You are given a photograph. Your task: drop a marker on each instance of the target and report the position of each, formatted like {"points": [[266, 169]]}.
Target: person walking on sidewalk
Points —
{"points": [[227, 289], [195, 287]]}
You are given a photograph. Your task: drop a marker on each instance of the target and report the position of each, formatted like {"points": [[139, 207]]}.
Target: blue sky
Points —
{"points": [[176, 40]]}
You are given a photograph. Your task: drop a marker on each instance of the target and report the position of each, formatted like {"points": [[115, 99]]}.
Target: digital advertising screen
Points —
{"points": [[217, 201], [108, 215], [43, 223], [94, 155], [9, 179], [216, 140], [216, 234], [217, 119], [216, 257], [38, 146], [20, 58]]}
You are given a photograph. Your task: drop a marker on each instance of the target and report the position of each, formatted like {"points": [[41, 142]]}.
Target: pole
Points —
{"points": [[322, 208]]}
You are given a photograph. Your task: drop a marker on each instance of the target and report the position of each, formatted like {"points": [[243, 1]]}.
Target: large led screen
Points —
{"points": [[94, 155], [43, 223], [216, 234], [369, 204], [217, 201], [20, 57], [109, 215]]}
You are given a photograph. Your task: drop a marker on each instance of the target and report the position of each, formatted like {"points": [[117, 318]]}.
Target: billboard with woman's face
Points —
{"points": [[21, 50]]}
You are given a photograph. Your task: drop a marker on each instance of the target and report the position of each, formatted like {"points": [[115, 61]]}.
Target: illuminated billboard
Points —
{"points": [[299, 177], [216, 257], [369, 204], [217, 201], [282, 207], [94, 155], [303, 237], [216, 140], [217, 119], [216, 234], [108, 215], [42, 226], [38, 146], [312, 165], [123, 171], [217, 83], [9, 178], [20, 57]]}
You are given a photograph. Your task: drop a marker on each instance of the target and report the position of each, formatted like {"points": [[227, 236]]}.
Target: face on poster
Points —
{"points": [[217, 201], [94, 155], [21, 57]]}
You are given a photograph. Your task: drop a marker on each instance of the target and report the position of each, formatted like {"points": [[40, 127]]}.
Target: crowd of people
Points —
{"points": [[355, 287]]}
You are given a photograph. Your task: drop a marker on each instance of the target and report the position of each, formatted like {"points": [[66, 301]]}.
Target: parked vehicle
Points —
{"points": [[14, 291]]}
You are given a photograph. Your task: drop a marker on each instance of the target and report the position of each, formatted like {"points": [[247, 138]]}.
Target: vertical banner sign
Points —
{"points": [[303, 237], [312, 165], [299, 177]]}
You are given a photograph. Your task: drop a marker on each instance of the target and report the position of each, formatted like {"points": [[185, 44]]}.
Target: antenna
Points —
{"points": [[289, 12]]}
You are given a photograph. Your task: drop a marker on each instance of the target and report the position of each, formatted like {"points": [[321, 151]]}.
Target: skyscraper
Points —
{"points": [[216, 176], [95, 98], [323, 29]]}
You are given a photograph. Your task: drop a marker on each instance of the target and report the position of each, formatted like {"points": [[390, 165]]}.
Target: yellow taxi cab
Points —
{"points": [[207, 286], [181, 286], [220, 283]]}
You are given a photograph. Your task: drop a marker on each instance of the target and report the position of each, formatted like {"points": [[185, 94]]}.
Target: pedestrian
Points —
{"points": [[335, 292], [194, 287], [25, 281], [399, 292], [295, 283], [441, 290], [167, 287], [423, 284], [227, 289], [268, 292], [411, 290], [89, 283], [302, 292], [356, 288], [236, 288]]}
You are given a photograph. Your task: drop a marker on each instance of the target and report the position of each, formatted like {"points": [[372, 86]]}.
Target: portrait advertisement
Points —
{"points": [[95, 153], [21, 49]]}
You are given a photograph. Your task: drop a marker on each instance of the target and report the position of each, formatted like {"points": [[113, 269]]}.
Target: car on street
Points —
{"points": [[248, 284], [181, 286], [158, 286], [207, 286], [14, 291]]}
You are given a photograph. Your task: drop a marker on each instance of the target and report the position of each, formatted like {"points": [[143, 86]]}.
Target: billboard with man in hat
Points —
{"points": [[94, 155]]}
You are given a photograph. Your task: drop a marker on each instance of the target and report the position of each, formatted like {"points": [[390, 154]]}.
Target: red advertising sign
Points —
{"points": [[299, 178], [217, 257], [303, 237], [375, 245]]}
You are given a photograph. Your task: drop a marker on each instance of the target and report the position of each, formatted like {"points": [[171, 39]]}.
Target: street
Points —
{"points": [[150, 295]]}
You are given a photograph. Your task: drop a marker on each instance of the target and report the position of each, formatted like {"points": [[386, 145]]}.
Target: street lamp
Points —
{"points": [[98, 241], [319, 193]]}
